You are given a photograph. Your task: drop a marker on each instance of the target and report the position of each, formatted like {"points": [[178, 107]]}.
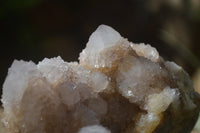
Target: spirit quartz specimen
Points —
{"points": [[116, 87]]}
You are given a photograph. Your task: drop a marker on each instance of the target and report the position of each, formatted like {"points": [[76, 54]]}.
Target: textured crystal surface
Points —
{"points": [[116, 87]]}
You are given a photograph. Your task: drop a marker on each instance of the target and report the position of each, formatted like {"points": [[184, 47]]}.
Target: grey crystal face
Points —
{"points": [[116, 87]]}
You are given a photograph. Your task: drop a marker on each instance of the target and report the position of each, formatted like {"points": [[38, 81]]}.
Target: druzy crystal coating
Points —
{"points": [[116, 87]]}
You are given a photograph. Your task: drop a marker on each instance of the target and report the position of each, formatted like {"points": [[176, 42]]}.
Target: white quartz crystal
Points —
{"points": [[104, 37], [104, 48], [94, 129], [158, 103], [14, 88], [117, 86], [146, 51], [53, 69], [130, 72]]}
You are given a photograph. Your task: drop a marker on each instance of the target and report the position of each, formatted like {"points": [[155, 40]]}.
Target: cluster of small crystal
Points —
{"points": [[117, 87]]}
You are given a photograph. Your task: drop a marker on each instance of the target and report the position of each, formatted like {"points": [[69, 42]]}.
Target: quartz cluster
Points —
{"points": [[116, 87]]}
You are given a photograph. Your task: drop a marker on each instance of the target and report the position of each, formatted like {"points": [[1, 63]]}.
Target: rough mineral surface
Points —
{"points": [[116, 87]]}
